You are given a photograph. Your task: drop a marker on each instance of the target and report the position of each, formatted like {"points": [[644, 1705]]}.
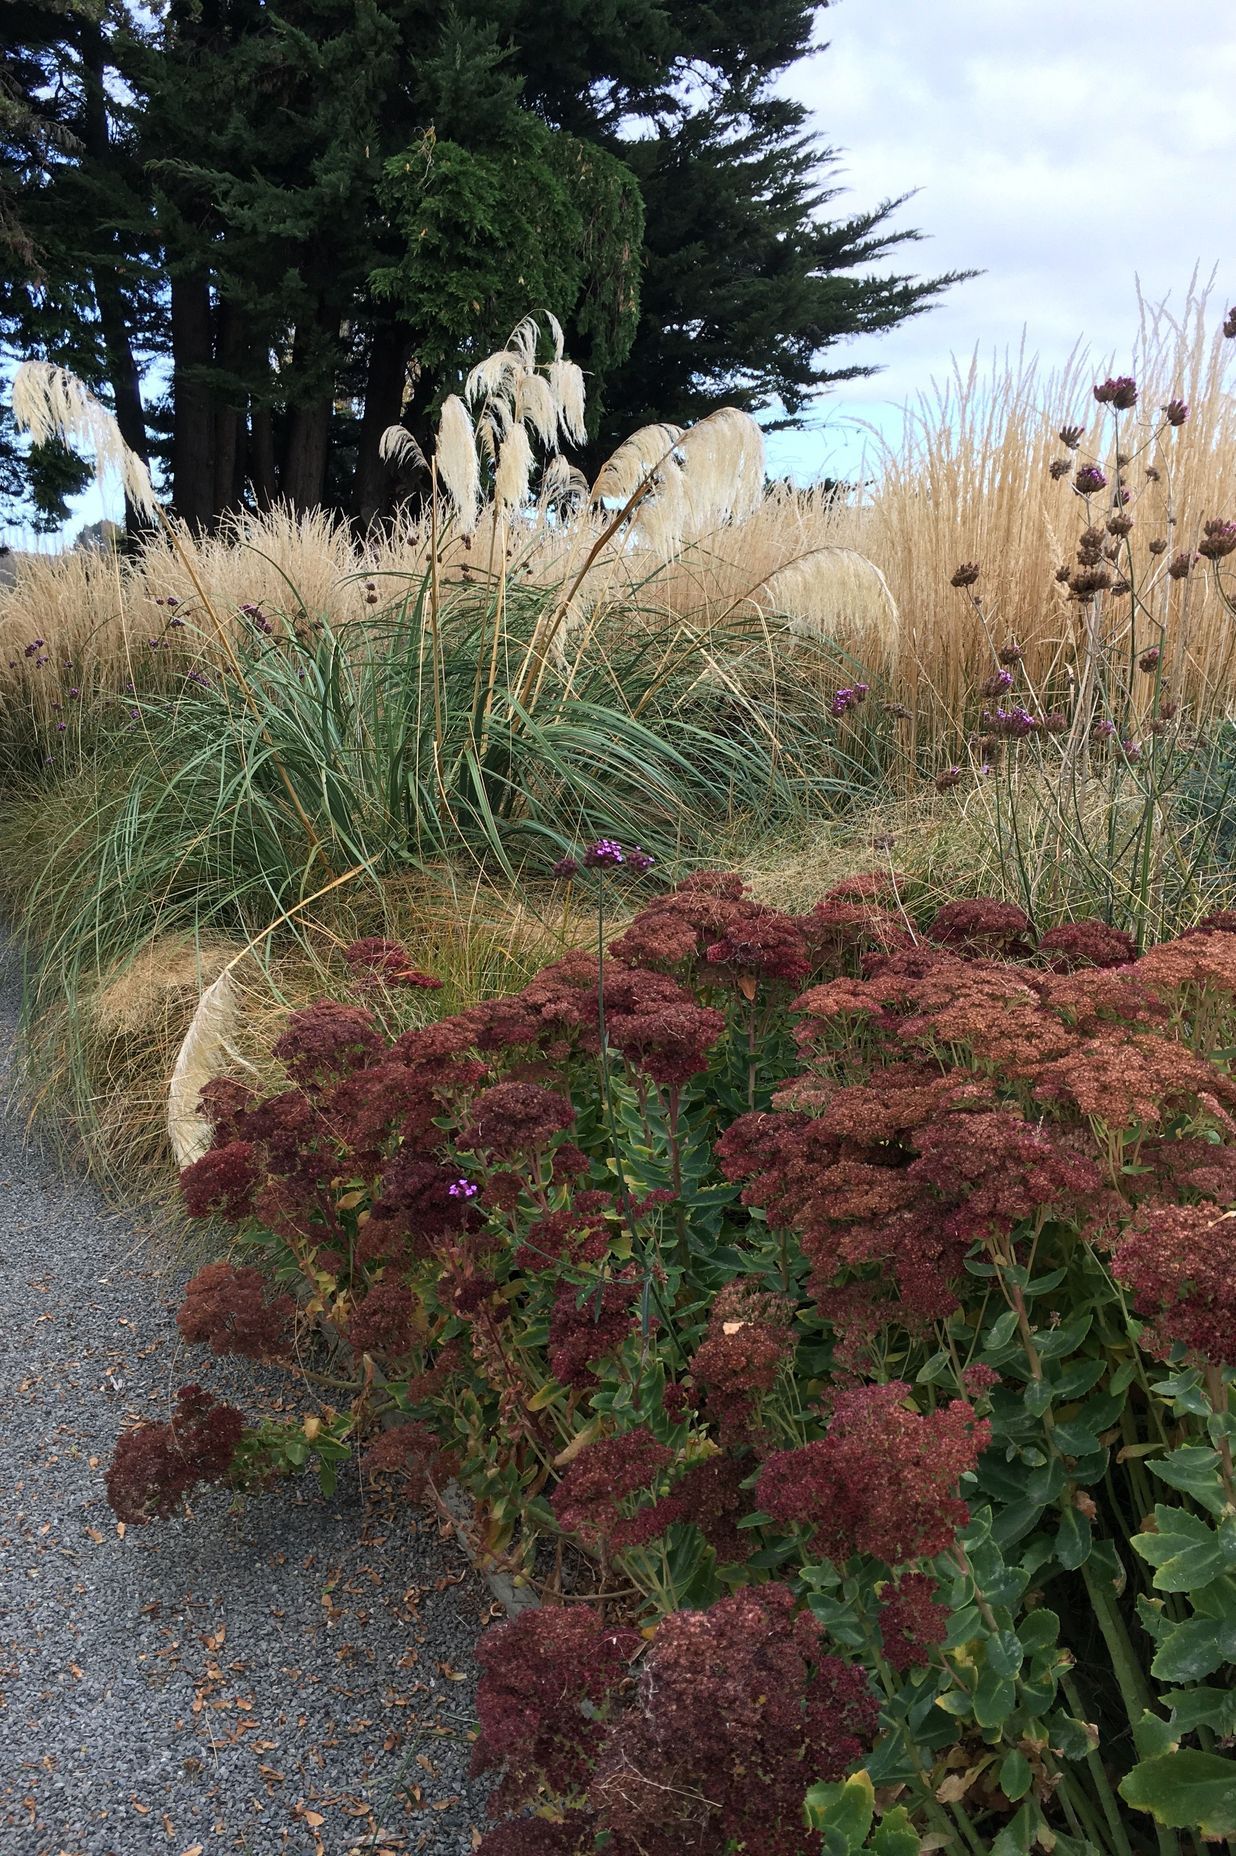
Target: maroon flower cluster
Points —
{"points": [[750, 1338], [588, 1500], [228, 1308], [546, 1677], [912, 1621], [738, 1710], [884, 1479], [155, 1465], [1180, 1262]]}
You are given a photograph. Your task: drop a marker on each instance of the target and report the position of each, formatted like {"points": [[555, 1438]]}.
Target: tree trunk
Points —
{"points": [[193, 429], [372, 496], [304, 457], [122, 367], [230, 346]]}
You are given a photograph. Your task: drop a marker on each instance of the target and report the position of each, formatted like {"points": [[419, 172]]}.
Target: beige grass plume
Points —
{"points": [[829, 591], [209, 1040], [51, 403]]}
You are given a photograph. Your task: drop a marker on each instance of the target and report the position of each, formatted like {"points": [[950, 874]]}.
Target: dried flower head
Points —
{"points": [[513, 1121], [1150, 660], [1011, 653], [155, 1465], [1089, 479], [1071, 435], [966, 574], [1087, 581], [1179, 565], [1120, 393], [1157, 546], [1060, 467], [1218, 540], [1119, 524], [1176, 412], [948, 777]]}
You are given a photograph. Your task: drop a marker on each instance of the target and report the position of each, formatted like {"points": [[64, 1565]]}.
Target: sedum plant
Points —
{"points": [[847, 1298]]}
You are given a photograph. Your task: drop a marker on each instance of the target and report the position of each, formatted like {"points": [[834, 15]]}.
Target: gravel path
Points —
{"points": [[295, 1676]]}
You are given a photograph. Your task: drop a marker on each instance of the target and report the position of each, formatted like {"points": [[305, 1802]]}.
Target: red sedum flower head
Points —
{"points": [[155, 1465], [223, 1182], [1180, 1261], [884, 1479], [228, 1308]]}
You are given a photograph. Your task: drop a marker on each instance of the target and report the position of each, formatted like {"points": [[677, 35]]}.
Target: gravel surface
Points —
{"points": [[294, 1676]]}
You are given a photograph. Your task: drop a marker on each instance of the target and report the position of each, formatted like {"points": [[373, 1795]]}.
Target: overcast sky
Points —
{"points": [[1065, 150]]}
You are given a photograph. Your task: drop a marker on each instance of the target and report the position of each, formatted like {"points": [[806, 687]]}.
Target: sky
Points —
{"points": [[1065, 151]]}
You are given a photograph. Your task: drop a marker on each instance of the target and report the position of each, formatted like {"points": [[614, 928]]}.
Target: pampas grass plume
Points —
{"points": [[50, 403]]}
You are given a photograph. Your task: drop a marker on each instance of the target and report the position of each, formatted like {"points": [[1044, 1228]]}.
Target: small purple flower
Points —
{"points": [[1088, 479], [1012, 653], [841, 702], [1119, 393], [951, 776], [861, 691], [171, 600], [134, 714], [1103, 730], [34, 647], [175, 625], [463, 1189], [565, 869], [1130, 750], [640, 860], [1149, 660], [74, 692], [606, 851], [997, 683], [196, 676], [60, 727]]}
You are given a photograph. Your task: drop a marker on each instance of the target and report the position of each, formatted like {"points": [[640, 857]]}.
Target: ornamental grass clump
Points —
{"points": [[849, 1292]]}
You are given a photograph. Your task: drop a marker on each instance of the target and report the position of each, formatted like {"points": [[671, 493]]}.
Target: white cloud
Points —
{"points": [[1065, 151]]}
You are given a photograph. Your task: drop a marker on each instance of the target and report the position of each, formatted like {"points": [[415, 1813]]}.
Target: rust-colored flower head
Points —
{"points": [[966, 574], [1158, 545], [951, 776], [1120, 392], [1180, 565], [1089, 479], [1091, 546], [1011, 653], [1063, 573], [1059, 467], [1071, 435], [1152, 473], [1181, 1263], [1218, 540], [1176, 412]]}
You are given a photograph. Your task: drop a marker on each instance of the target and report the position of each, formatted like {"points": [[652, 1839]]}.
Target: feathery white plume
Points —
{"points": [[723, 458], [397, 446], [49, 402], [514, 470], [566, 383], [536, 406], [829, 591], [456, 461], [560, 480], [555, 329], [202, 1054], [494, 374]]}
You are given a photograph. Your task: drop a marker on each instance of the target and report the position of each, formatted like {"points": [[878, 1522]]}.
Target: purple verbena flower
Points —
{"points": [[565, 869], [1088, 479], [606, 851], [463, 1189], [639, 860], [1119, 393]]}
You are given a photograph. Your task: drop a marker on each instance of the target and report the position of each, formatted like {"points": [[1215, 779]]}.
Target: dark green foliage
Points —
{"points": [[321, 212]]}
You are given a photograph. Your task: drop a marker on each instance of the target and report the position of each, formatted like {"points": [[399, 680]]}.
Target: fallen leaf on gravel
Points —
{"points": [[196, 1849]]}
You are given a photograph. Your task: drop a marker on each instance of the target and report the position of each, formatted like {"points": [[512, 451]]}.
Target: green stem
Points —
{"points": [[1094, 1766], [1129, 1679]]}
